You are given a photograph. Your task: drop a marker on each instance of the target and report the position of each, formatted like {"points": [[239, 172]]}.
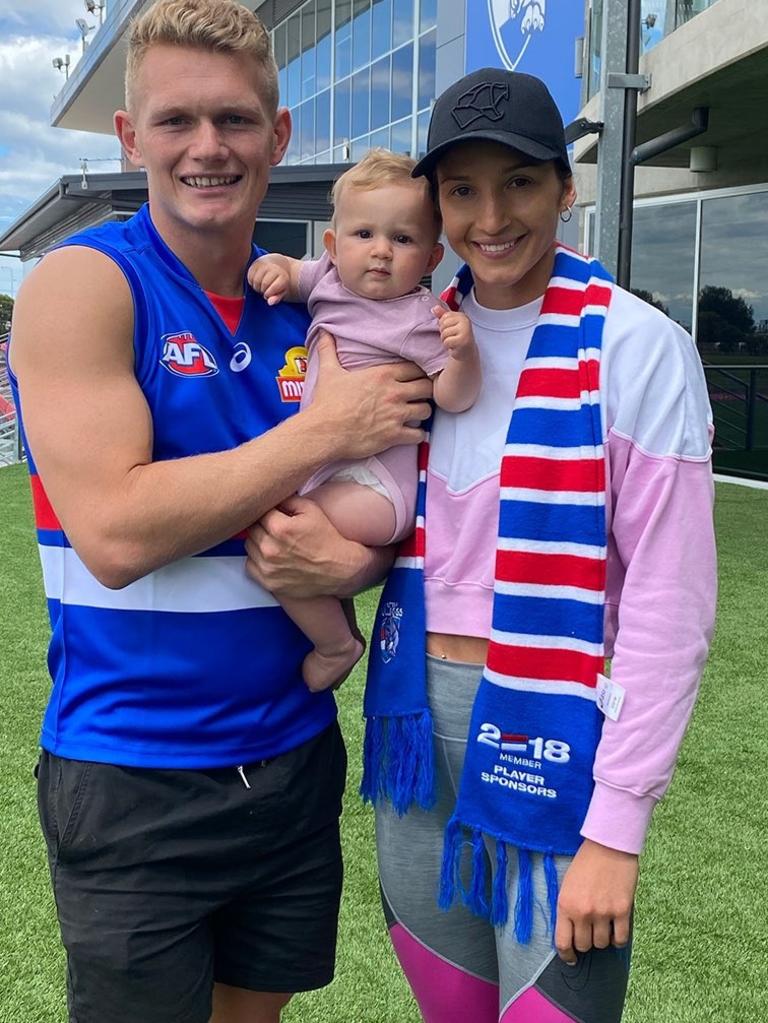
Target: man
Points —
{"points": [[189, 784], [652, 33]]}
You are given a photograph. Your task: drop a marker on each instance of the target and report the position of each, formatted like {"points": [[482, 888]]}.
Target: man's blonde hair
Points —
{"points": [[381, 167], [223, 26]]}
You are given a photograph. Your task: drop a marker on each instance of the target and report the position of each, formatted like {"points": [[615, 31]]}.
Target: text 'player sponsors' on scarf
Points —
{"points": [[527, 778]]}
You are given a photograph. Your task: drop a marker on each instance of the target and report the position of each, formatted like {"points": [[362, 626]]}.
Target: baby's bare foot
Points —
{"points": [[322, 670]]}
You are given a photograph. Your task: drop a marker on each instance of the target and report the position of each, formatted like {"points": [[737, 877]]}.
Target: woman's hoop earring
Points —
{"points": [[566, 214]]}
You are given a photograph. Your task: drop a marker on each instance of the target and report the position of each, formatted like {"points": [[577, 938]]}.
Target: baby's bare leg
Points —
{"points": [[359, 513]]}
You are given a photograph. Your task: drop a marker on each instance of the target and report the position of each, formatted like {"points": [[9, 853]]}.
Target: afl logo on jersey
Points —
{"points": [[184, 356]]}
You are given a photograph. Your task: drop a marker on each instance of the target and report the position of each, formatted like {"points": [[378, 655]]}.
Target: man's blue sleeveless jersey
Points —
{"points": [[193, 665]]}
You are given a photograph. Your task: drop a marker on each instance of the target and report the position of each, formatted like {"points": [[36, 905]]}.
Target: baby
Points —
{"points": [[365, 291]]}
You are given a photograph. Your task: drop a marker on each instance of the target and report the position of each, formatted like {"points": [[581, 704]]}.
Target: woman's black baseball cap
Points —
{"points": [[493, 105]]}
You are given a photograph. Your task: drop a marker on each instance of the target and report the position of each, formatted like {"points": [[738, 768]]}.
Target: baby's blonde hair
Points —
{"points": [[382, 167], [223, 26]]}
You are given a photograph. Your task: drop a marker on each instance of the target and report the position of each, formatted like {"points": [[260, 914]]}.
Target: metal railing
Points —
{"points": [[739, 405], [687, 9]]}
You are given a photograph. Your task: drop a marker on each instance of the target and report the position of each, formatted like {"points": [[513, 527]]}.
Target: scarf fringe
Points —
{"points": [[524, 903], [553, 889], [399, 762], [500, 901], [475, 896], [449, 871]]}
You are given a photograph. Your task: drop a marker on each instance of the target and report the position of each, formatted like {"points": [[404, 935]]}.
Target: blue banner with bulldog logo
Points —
{"points": [[534, 36]]}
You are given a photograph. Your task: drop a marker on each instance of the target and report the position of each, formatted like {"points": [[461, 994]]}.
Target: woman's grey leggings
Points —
{"points": [[459, 967]]}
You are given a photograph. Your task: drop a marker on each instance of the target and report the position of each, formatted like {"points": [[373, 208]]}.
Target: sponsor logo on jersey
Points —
{"points": [[290, 379], [184, 356]]}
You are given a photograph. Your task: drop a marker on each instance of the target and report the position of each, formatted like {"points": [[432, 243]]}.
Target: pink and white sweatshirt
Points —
{"points": [[661, 572]]}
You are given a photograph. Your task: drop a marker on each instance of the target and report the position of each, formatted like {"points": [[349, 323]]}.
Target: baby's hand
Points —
{"points": [[270, 279], [455, 332]]}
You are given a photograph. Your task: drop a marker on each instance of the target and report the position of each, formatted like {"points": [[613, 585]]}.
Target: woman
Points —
{"points": [[600, 538]]}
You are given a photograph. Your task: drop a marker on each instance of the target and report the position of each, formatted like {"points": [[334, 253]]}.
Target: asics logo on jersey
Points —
{"points": [[241, 359], [184, 356]]}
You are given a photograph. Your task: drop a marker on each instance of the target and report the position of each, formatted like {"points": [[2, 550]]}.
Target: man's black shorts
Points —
{"points": [[166, 881]]}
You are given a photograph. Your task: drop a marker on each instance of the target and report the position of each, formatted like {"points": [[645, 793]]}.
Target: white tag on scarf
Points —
{"points": [[610, 697]]}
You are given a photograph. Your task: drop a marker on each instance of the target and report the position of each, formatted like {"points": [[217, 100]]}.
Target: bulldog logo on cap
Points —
{"points": [[482, 101]]}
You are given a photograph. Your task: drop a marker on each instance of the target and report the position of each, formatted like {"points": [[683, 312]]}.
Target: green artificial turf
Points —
{"points": [[701, 945]]}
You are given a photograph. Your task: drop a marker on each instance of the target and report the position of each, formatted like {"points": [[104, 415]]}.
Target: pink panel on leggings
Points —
{"points": [[533, 1007], [445, 993]]}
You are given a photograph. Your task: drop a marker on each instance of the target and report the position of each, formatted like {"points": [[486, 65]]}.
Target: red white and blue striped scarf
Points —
{"points": [[527, 777]]}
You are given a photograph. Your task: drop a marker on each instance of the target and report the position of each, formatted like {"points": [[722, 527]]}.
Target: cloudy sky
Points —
{"points": [[32, 154]]}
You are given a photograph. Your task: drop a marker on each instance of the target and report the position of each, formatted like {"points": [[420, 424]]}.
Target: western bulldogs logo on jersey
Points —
{"points": [[184, 356], [513, 23]]}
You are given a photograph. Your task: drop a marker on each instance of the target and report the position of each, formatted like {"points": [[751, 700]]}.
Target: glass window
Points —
{"points": [[343, 38], [361, 33], [401, 137], [324, 157], [402, 21], [426, 70], [308, 87], [380, 138], [294, 149], [323, 44], [323, 120], [663, 246], [278, 45], [595, 47], [341, 154], [423, 129], [341, 102], [402, 81], [307, 128], [293, 27], [359, 148], [733, 278], [361, 100], [380, 93], [427, 14], [381, 28]]}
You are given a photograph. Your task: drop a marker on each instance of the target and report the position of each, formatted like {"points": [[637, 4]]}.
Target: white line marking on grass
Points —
{"points": [[741, 482]]}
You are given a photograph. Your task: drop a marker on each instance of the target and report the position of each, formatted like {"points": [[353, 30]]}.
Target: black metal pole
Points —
{"points": [[624, 262], [751, 402]]}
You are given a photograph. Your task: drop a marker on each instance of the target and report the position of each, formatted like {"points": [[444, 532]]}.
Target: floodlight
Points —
{"points": [[92, 6], [62, 64]]}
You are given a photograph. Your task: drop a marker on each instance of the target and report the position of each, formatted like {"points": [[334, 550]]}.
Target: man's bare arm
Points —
{"points": [[90, 429]]}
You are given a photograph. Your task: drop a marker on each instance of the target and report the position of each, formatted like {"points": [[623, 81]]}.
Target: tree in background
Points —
{"points": [[646, 296], [724, 319], [6, 308]]}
